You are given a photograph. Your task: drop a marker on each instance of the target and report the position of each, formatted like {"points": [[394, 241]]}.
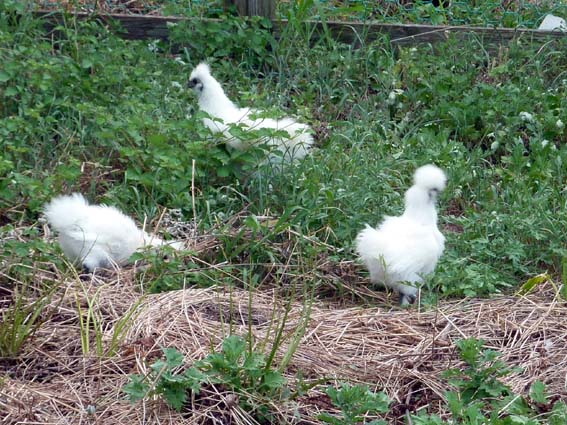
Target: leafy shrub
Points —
{"points": [[246, 40], [237, 368], [87, 111], [481, 398], [354, 402]]}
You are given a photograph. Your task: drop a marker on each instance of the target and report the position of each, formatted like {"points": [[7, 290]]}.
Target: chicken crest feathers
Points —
{"points": [[430, 177], [201, 70]]}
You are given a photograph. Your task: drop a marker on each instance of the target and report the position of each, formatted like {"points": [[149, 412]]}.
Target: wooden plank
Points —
{"points": [[139, 27], [404, 35], [264, 8]]}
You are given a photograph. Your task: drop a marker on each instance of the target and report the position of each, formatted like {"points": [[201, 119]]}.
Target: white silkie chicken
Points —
{"points": [[96, 235], [224, 114], [553, 23], [404, 249]]}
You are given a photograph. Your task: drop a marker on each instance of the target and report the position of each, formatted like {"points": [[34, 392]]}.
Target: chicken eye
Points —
{"points": [[193, 82], [433, 193]]}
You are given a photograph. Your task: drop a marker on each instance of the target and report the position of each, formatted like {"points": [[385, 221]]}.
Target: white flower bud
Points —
{"points": [[526, 116]]}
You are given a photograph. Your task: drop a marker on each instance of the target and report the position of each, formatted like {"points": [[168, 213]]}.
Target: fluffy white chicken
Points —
{"points": [[553, 23], [96, 235], [225, 113], [404, 249]]}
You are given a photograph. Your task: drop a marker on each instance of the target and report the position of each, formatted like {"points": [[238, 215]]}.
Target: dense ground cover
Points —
{"points": [[83, 110], [509, 14], [88, 111]]}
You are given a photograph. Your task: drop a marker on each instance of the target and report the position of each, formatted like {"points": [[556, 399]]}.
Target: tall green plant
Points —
{"points": [[26, 292], [240, 370], [92, 326], [23, 316]]}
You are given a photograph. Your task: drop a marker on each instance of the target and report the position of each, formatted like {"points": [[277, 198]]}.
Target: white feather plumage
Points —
{"points": [[404, 249], [96, 235], [224, 114]]}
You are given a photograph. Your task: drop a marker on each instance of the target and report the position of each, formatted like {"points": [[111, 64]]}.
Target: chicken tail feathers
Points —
{"points": [[368, 242], [66, 210]]}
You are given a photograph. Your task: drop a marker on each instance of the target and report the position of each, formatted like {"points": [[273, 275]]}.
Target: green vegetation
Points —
{"points": [[511, 14], [237, 368], [90, 112], [22, 319], [27, 287], [246, 373], [481, 398], [354, 402], [91, 323]]}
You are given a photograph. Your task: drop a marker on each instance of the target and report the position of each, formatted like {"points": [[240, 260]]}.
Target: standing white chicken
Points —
{"points": [[403, 249], [225, 113], [96, 235]]}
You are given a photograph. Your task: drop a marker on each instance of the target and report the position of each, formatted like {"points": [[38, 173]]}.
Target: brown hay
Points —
{"points": [[402, 352]]}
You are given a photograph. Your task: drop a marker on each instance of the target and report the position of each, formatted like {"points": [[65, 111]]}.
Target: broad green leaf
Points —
{"points": [[173, 357], [194, 379], [11, 91], [86, 63], [4, 76], [233, 347], [532, 283], [157, 139], [537, 392], [175, 395], [136, 389], [223, 171], [273, 380]]}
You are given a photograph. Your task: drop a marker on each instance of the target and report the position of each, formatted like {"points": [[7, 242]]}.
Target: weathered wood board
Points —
{"points": [[156, 27]]}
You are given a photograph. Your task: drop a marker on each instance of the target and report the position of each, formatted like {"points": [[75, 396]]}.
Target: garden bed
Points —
{"points": [[402, 352], [86, 111]]}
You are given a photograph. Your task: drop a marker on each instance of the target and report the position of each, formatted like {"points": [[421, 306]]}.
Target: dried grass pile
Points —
{"points": [[402, 352]]}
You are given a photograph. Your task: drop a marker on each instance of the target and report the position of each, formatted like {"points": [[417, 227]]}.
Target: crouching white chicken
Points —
{"points": [[225, 114], [96, 235], [403, 249]]}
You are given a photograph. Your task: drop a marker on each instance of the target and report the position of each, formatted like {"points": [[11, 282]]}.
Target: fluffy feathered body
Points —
{"points": [[96, 235], [224, 114], [404, 249]]}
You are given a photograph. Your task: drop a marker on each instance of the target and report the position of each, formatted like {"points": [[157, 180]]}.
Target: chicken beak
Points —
{"points": [[433, 193]]}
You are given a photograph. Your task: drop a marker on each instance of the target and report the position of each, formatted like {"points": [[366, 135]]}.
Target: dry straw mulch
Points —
{"points": [[402, 352]]}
